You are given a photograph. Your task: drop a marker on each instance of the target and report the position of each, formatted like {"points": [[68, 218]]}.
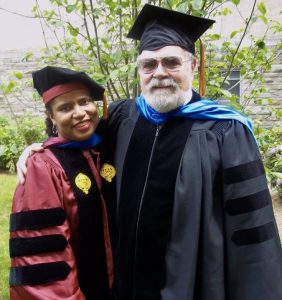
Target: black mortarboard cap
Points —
{"points": [[157, 27], [49, 77]]}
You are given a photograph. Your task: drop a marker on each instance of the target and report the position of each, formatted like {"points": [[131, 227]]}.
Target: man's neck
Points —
{"points": [[188, 95]]}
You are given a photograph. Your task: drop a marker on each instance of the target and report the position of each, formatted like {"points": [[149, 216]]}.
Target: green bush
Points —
{"points": [[270, 143], [15, 136]]}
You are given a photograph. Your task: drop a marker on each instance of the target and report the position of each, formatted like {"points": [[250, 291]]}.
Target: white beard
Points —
{"points": [[165, 100]]}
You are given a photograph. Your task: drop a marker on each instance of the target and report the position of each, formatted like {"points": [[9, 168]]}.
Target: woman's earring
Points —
{"points": [[54, 129]]}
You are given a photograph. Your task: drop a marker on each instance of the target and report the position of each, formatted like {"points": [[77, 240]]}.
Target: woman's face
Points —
{"points": [[75, 115]]}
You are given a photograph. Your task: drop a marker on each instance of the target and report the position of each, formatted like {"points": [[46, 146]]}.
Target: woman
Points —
{"points": [[60, 243]]}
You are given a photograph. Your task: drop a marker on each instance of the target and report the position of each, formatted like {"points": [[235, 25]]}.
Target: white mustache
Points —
{"points": [[162, 83]]}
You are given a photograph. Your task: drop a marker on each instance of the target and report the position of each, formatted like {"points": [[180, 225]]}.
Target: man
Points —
{"points": [[194, 218]]}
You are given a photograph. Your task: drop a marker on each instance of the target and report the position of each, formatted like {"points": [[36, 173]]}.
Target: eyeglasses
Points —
{"points": [[169, 63]]}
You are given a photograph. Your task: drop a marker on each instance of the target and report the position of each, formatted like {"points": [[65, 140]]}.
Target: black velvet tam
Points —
{"points": [[158, 27], [50, 76]]}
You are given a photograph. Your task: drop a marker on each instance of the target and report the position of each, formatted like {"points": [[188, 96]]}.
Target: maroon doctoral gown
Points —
{"points": [[60, 244]]}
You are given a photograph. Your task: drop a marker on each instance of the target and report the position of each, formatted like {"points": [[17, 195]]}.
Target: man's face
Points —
{"points": [[165, 86]]}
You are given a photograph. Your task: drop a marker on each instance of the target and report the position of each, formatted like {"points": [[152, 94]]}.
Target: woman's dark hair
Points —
{"points": [[49, 125]]}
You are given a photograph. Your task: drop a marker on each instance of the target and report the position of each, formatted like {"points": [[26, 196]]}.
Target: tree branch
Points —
{"points": [[41, 25], [112, 84], [87, 30], [96, 35], [214, 8], [239, 45], [204, 4]]}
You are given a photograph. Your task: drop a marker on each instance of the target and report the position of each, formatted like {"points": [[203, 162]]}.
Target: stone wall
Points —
{"points": [[19, 102]]}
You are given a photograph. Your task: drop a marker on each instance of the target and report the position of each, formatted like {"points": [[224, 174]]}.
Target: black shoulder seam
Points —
{"points": [[126, 107], [220, 127], [120, 109]]}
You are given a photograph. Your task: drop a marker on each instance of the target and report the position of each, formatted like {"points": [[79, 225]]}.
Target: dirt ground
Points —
{"points": [[277, 205]]}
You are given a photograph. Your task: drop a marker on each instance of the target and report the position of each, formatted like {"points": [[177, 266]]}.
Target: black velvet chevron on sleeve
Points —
{"points": [[248, 203], [36, 245], [254, 235], [39, 273], [243, 172], [37, 219]]}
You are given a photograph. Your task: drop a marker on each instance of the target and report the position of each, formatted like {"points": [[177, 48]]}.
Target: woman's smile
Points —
{"points": [[83, 126], [75, 115]]}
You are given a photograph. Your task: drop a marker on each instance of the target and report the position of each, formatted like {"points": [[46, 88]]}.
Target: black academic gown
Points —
{"points": [[195, 219]]}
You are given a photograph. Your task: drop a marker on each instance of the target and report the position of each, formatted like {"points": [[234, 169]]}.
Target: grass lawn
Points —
{"points": [[7, 187]]}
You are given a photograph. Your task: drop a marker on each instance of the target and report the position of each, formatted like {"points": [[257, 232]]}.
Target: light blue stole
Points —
{"points": [[204, 109]]}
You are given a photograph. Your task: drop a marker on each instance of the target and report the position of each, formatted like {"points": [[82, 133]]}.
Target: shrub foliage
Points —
{"points": [[270, 142], [14, 137]]}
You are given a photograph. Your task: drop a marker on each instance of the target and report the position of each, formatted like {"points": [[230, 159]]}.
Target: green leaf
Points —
{"points": [[27, 56], [2, 150], [236, 2], [9, 87], [123, 68], [196, 4], [233, 33], [19, 75], [214, 37], [277, 174], [262, 8], [58, 2], [258, 101], [260, 44], [243, 71], [226, 44], [183, 7], [70, 8], [264, 19], [113, 75], [73, 30], [226, 94], [254, 19], [270, 101], [14, 148], [98, 76], [226, 11]]}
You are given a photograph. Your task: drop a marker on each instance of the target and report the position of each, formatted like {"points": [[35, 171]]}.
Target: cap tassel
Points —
{"points": [[105, 107], [202, 77]]}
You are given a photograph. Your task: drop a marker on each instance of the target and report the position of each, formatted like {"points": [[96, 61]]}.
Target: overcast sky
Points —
{"points": [[17, 31]]}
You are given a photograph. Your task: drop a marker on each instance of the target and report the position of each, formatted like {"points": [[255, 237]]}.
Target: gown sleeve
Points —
{"points": [[42, 243], [253, 247]]}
